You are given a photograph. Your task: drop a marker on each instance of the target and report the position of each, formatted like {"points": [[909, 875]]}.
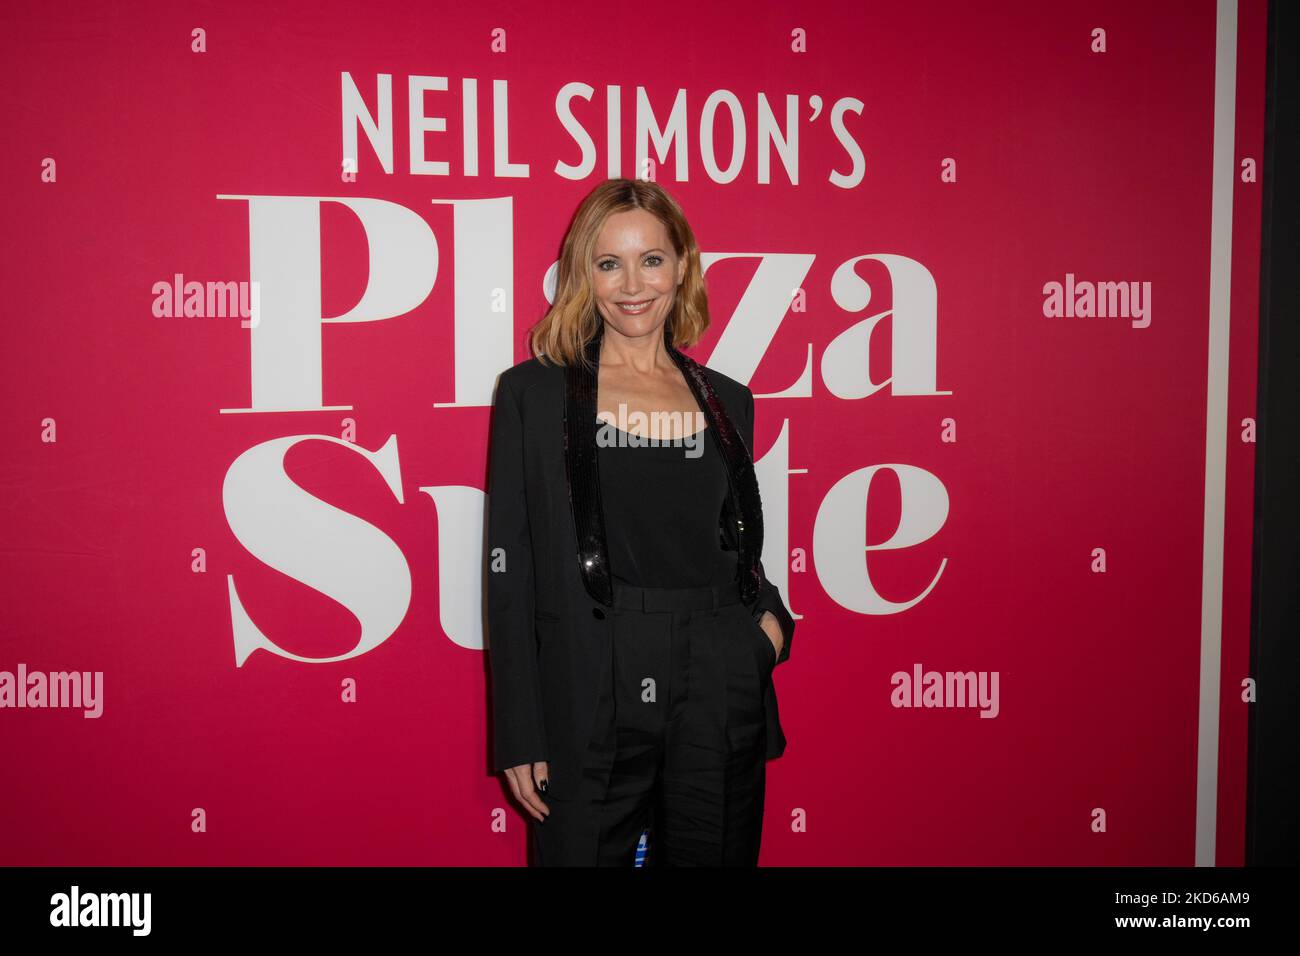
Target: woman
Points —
{"points": [[631, 628]]}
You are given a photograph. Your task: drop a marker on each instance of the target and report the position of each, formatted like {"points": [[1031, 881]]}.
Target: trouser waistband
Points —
{"points": [[675, 599]]}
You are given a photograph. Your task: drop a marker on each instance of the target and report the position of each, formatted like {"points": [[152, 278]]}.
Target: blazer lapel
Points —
{"points": [[582, 476]]}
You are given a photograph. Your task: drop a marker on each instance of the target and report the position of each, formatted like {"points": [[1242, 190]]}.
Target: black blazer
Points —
{"points": [[549, 591]]}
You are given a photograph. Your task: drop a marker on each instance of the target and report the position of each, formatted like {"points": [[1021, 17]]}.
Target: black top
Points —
{"points": [[662, 500]]}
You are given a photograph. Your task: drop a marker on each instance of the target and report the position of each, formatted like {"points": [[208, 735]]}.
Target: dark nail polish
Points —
{"points": [[542, 786]]}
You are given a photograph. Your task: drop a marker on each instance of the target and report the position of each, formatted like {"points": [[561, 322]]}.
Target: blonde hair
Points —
{"points": [[573, 320]]}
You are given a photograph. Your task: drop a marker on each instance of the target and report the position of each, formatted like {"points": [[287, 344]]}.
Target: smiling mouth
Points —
{"points": [[635, 308]]}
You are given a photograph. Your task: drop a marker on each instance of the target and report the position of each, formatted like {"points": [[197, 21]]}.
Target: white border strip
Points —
{"points": [[1216, 429]]}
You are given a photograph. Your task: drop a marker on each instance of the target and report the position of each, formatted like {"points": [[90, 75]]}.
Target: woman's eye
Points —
{"points": [[650, 260]]}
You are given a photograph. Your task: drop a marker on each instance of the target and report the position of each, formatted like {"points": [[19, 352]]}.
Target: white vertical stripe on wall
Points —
{"points": [[1216, 429]]}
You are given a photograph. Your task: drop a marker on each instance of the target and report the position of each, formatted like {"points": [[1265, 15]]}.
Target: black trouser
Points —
{"points": [[678, 738]]}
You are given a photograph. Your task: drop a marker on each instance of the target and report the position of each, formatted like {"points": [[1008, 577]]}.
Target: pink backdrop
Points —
{"points": [[1001, 454]]}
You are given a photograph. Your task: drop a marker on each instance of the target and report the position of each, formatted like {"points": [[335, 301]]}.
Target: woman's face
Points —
{"points": [[635, 273]]}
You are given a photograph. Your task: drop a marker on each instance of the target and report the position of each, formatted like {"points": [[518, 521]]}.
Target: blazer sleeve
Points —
{"points": [[769, 597], [518, 727]]}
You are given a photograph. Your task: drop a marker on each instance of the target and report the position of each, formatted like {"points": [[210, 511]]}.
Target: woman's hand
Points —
{"points": [[522, 786], [772, 627]]}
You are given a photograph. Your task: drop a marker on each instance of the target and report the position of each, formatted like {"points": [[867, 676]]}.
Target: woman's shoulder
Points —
{"points": [[726, 386], [531, 372], [735, 396]]}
